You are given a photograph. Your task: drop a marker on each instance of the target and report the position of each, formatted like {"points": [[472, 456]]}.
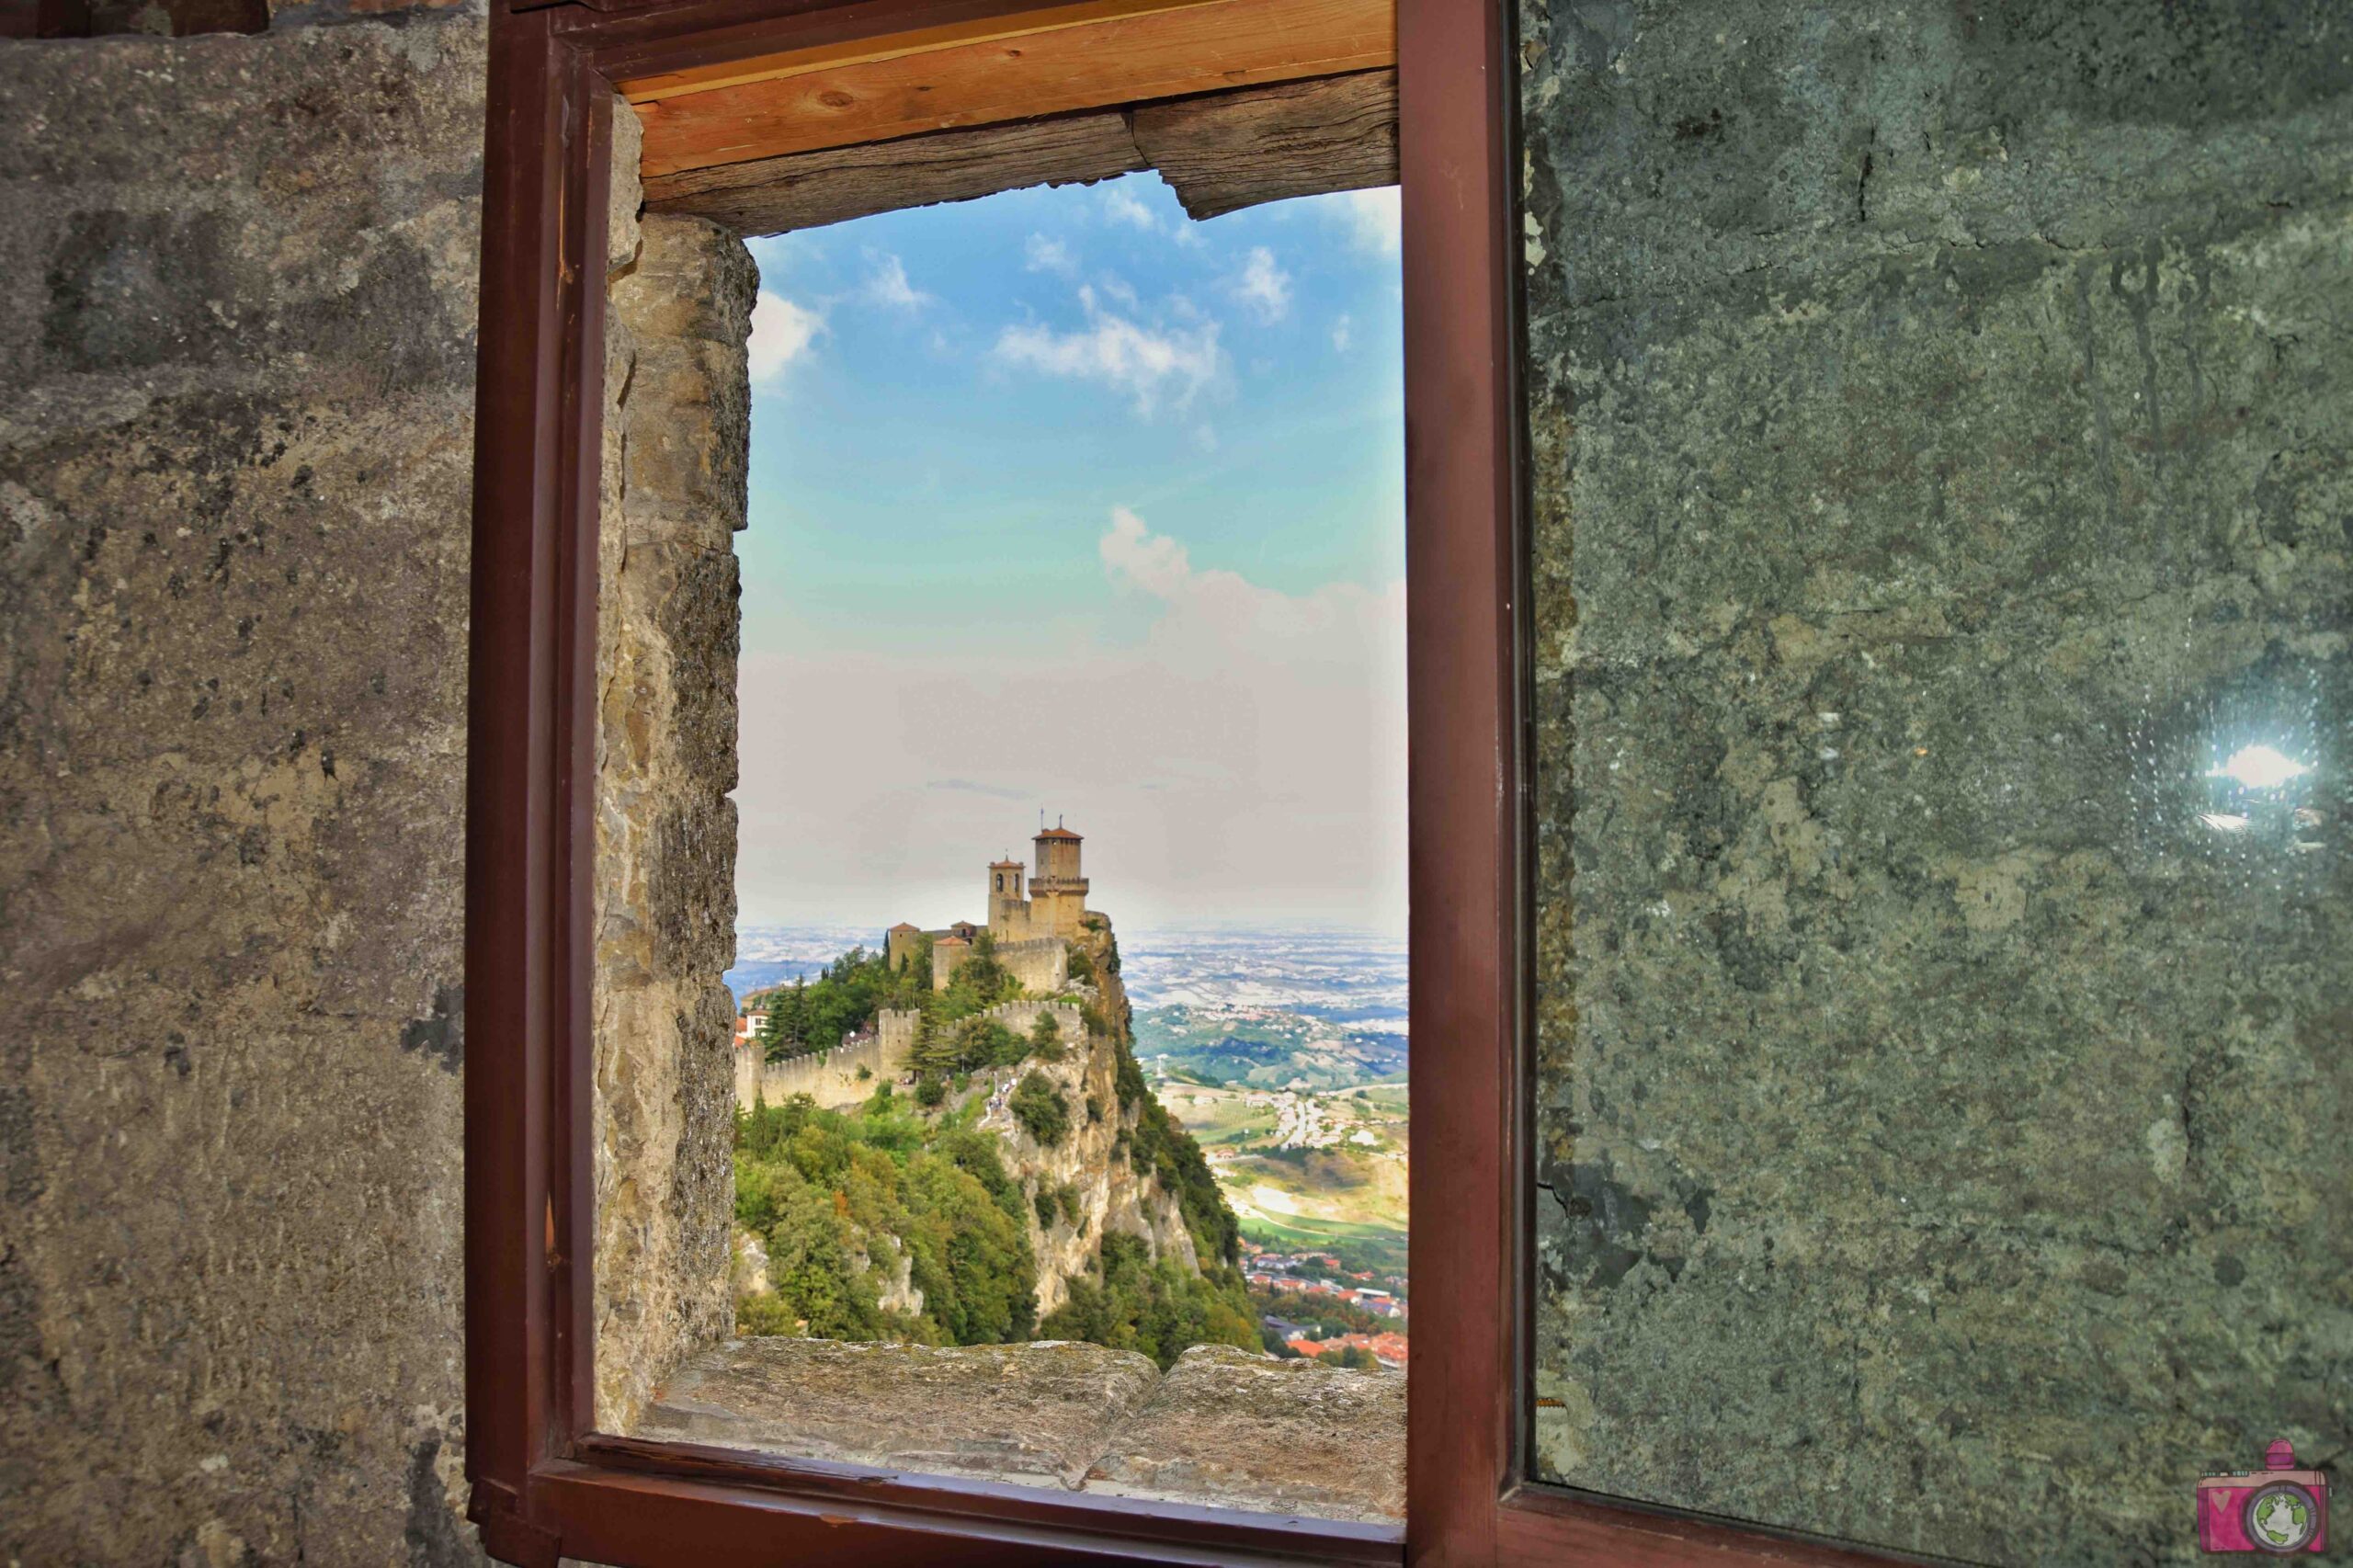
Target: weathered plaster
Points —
{"points": [[1940, 419], [234, 472]]}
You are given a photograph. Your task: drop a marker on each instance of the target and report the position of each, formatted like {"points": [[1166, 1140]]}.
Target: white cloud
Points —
{"points": [[1343, 333], [1050, 256], [1237, 742], [1152, 365], [888, 285], [1371, 217], [1262, 287], [781, 333], [1123, 206]]}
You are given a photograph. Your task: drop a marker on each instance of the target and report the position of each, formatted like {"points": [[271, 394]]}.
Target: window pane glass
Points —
{"points": [[1943, 959]]}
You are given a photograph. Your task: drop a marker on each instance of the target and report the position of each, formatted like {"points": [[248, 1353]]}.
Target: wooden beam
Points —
{"points": [[1169, 50], [1007, 27], [1226, 151], [806, 190], [1220, 151]]}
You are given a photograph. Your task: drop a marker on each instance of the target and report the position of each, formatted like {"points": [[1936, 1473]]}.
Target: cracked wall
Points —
{"points": [[235, 467], [1939, 425]]}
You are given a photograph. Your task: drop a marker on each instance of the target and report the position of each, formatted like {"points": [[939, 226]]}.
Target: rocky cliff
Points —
{"points": [[1045, 1194], [1093, 1158]]}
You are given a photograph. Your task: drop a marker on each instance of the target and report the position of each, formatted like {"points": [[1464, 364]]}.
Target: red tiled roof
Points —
{"points": [[1004, 865], [906, 925], [1058, 833]]}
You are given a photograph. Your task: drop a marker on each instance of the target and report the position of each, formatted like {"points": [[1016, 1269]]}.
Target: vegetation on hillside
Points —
{"points": [[824, 1190], [1129, 1303], [1161, 1145], [810, 1015], [841, 1201]]}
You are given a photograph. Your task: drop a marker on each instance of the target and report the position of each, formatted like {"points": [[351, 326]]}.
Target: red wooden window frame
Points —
{"points": [[545, 1482]]}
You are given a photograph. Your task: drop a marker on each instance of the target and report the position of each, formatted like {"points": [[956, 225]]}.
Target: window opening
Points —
{"points": [[1074, 560]]}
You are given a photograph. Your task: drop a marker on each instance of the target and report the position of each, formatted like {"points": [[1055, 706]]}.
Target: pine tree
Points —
{"points": [[934, 1053]]}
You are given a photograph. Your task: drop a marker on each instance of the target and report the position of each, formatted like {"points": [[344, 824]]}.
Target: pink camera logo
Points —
{"points": [[2277, 1509]]}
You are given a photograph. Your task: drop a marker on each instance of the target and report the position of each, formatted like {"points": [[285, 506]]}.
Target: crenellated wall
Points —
{"points": [[1022, 1017], [1037, 963], [831, 1077]]}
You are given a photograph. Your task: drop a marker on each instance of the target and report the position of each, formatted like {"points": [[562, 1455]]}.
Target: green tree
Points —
{"points": [[1038, 1105], [1046, 1039]]}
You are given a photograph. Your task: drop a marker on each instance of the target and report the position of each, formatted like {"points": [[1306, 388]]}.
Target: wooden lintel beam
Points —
{"points": [[807, 191], [1146, 48], [1220, 151]]}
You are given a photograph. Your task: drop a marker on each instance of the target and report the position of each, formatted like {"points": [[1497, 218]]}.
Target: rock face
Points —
{"points": [[1112, 1195], [1222, 1429], [1938, 419], [235, 467], [1275, 1437]]}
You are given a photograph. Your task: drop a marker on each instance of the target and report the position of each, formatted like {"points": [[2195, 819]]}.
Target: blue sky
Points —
{"points": [[1060, 499]]}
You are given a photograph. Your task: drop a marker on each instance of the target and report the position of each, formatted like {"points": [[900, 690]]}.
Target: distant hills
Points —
{"points": [[1263, 1048]]}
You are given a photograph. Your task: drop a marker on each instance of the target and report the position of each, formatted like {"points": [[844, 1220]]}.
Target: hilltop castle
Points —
{"points": [[1027, 925]]}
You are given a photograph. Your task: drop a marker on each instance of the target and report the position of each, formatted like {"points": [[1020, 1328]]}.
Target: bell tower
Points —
{"points": [[1009, 910]]}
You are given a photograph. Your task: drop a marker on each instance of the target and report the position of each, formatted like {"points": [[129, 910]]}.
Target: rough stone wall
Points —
{"points": [[1939, 420], [677, 425], [234, 489]]}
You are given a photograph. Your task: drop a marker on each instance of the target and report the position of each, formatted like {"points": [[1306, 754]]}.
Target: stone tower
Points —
{"points": [[1058, 891], [1008, 915]]}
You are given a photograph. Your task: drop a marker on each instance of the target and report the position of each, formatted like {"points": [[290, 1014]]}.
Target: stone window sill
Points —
{"points": [[1222, 1429]]}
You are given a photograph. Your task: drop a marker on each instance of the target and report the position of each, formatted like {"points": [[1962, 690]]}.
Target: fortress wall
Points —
{"points": [[1022, 1017], [1041, 963], [830, 1077]]}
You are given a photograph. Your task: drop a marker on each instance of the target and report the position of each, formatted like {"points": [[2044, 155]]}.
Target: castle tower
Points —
{"points": [[1009, 910], [1058, 891]]}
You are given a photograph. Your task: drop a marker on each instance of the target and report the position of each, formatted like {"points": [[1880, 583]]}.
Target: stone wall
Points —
{"points": [[1939, 420], [677, 425], [829, 1077], [1041, 963], [1022, 1017], [235, 467]]}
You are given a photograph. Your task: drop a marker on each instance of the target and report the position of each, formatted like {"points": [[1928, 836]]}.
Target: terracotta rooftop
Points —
{"points": [[1058, 833], [906, 925], [1004, 865]]}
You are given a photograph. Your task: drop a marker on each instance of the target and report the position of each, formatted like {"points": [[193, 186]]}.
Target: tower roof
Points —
{"points": [[1004, 865], [906, 925], [1059, 832]]}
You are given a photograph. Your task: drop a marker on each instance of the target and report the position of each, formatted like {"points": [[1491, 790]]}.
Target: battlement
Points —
{"points": [[831, 1077], [1022, 1017]]}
